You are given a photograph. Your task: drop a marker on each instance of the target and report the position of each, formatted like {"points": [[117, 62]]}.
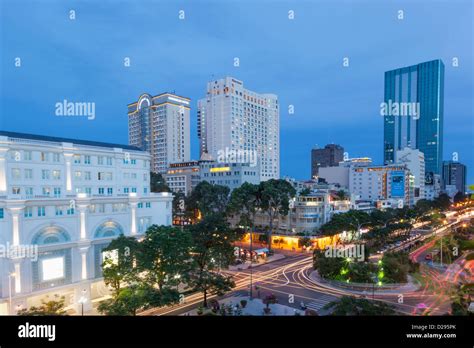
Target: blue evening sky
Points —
{"points": [[300, 60]]}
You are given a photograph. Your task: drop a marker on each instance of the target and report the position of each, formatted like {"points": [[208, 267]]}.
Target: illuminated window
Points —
{"points": [[52, 268]]}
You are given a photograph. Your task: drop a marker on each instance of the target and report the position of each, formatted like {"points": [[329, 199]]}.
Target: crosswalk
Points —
{"points": [[320, 302]]}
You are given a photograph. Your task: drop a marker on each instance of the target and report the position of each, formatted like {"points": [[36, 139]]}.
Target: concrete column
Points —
{"points": [[82, 204], [82, 216], [17, 278], [133, 229], [3, 171], [15, 212], [83, 252], [68, 159]]}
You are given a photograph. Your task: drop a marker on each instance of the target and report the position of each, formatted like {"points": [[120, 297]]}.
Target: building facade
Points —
{"points": [[61, 203], [329, 156], [232, 175], [307, 213], [454, 174], [413, 113], [183, 176], [415, 162], [234, 120], [339, 175], [160, 125], [433, 186], [379, 183]]}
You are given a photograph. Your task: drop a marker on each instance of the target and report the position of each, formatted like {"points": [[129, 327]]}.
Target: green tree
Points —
{"points": [[327, 267], [381, 218], [304, 242], [461, 299], [341, 195], [351, 306], [48, 307], [127, 302], [378, 236], [165, 255], [244, 202], [119, 264], [158, 183], [459, 197], [208, 198], [352, 221], [423, 206], [275, 201], [212, 250], [360, 272], [442, 202], [396, 267]]}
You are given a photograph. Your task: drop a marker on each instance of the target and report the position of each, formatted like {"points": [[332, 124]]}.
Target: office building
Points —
{"points": [[376, 183], [182, 176], [413, 113], [232, 175], [160, 126], [415, 162], [236, 125], [61, 203], [454, 174], [433, 186], [329, 156], [339, 174]]}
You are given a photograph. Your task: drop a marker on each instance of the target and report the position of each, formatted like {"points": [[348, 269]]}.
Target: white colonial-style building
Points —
{"points": [[61, 203]]}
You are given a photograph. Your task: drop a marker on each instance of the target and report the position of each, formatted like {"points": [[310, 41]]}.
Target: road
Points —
{"points": [[289, 280]]}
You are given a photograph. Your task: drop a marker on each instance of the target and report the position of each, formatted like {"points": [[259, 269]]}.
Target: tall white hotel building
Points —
{"points": [[232, 118], [160, 126], [61, 203]]}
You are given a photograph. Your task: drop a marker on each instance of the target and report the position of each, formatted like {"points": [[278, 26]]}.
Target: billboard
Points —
{"points": [[397, 184]]}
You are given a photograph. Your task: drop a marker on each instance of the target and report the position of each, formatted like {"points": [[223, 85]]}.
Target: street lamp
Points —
{"points": [[13, 274], [251, 268], [82, 300]]}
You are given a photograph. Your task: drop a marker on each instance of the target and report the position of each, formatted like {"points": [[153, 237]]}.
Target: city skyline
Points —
{"points": [[329, 106], [264, 158]]}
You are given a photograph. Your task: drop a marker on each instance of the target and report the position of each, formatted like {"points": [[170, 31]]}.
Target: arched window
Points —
{"points": [[51, 235], [108, 229]]}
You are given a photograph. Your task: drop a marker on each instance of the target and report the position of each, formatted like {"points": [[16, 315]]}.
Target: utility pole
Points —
{"points": [[441, 251], [10, 292], [251, 259]]}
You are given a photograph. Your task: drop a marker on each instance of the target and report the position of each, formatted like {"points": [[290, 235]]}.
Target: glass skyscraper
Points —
{"points": [[413, 118]]}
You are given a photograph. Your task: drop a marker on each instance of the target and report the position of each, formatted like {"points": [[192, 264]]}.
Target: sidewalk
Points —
{"points": [[255, 307]]}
